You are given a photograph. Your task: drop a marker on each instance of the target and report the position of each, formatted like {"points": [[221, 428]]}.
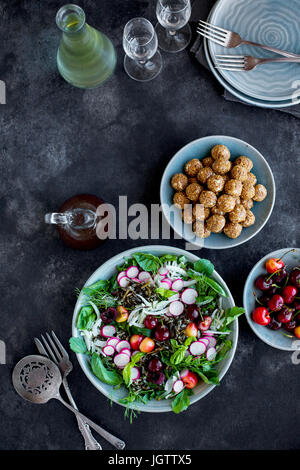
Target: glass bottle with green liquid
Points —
{"points": [[85, 57]]}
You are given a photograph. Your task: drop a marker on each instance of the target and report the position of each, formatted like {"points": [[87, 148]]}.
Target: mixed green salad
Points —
{"points": [[157, 327]]}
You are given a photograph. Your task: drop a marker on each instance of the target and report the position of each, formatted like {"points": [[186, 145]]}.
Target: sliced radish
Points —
{"points": [[135, 279], [124, 281], [177, 285], [212, 341], [134, 373], [163, 271], [205, 341], [211, 354], [166, 284], [197, 348], [126, 351], [178, 386], [108, 331], [121, 360], [112, 341], [176, 308], [122, 345], [184, 373], [144, 276], [121, 274], [189, 296], [109, 350], [132, 272]]}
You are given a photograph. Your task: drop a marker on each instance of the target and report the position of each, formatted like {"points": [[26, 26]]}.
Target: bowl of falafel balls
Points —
{"points": [[217, 192]]}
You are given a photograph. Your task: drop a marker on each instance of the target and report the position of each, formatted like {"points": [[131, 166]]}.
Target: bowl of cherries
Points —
{"points": [[272, 299]]}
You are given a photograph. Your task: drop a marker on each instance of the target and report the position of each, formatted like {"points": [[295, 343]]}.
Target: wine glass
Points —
{"points": [[142, 61], [173, 31]]}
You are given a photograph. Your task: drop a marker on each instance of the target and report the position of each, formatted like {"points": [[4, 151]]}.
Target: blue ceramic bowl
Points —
{"points": [[105, 271], [272, 338], [201, 148]]}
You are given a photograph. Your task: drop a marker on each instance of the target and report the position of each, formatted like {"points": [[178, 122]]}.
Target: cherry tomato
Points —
{"points": [[191, 330], [276, 303], [135, 341], [289, 293], [147, 345], [190, 380], [261, 316], [122, 314], [274, 264]]}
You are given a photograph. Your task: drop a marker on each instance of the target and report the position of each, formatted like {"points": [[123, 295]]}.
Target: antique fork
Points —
{"points": [[229, 39], [244, 63]]}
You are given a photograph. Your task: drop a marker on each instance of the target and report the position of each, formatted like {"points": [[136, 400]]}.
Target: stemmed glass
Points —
{"points": [[173, 31], [142, 61]]}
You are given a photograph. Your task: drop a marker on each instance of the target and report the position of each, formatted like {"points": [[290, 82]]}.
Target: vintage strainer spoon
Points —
{"points": [[38, 380]]}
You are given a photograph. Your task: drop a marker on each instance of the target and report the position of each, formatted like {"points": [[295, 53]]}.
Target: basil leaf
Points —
{"points": [[86, 318], [136, 330], [232, 313], [178, 356], [164, 293], [204, 266], [110, 377], [147, 261], [181, 401], [165, 258], [99, 285], [210, 377], [215, 286], [78, 345], [127, 369]]}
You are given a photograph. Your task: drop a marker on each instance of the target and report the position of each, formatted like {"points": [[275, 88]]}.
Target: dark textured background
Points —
{"points": [[57, 141]]}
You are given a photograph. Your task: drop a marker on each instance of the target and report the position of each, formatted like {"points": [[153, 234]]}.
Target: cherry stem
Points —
{"points": [[293, 249]]}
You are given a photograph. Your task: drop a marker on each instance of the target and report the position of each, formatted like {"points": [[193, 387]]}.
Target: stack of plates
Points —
{"points": [[271, 22]]}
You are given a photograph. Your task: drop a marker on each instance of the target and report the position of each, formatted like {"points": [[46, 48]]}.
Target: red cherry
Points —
{"points": [[285, 315], [135, 341], [193, 312], [274, 264], [261, 316], [150, 322], [276, 303], [162, 333], [155, 365], [190, 380], [289, 293], [263, 283], [205, 323]]}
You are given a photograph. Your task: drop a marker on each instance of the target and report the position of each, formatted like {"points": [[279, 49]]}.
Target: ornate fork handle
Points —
{"points": [[272, 49], [89, 440]]}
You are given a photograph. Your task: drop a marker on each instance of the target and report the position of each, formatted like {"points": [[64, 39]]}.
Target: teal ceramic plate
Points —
{"points": [[242, 96], [201, 148], [105, 271], [276, 339], [272, 22]]}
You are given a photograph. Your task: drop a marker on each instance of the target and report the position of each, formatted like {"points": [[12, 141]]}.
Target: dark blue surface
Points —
{"points": [[57, 141]]}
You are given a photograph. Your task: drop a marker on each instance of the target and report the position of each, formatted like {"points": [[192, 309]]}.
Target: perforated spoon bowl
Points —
{"points": [[37, 379]]}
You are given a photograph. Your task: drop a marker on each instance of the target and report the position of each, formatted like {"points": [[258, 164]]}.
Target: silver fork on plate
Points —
{"points": [[229, 39], [53, 349], [244, 63]]}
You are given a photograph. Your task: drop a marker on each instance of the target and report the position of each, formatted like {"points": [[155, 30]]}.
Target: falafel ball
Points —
{"points": [[216, 223], [221, 166], [200, 229], [247, 203], [208, 198], [248, 191], [215, 183], [232, 230], [220, 151], [193, 191], [238, 214], [244, 161], [234, 187], [226, 203], [180, 200], [193, 179], [249, 220], [215, 210], [200, 212], [207, 161], [204, 174], [239, 172], [251, 179], [187, 215], [260, 192], [192, 167], [179, 182]]}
